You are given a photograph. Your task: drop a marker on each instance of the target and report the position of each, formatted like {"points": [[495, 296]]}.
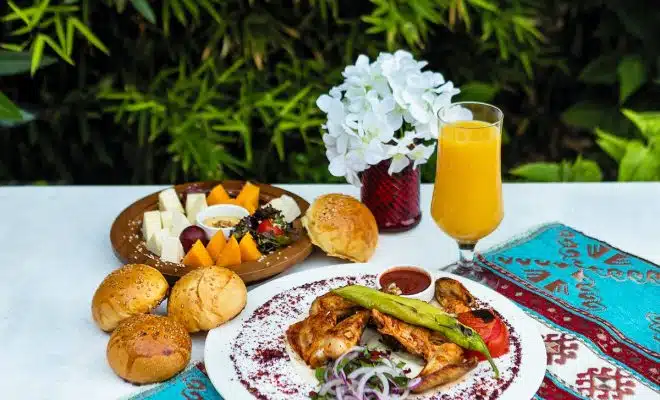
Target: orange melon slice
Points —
{"points": [[230, 255], [217, 195], [249, 196], [216, 245], [249, 249], [197, 256]]}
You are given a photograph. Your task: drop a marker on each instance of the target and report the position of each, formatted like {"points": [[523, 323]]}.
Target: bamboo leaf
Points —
{"points": [[29, 12], [84, 30], [69, 37], [178, 11], [292, 103], [632, 76], [211, 10], [37, 53], [143, 7], [13, 63], [12, 47], [60, 52], [36, 18], [18, 12], [61, 36], [192, 8], [8, 110]]}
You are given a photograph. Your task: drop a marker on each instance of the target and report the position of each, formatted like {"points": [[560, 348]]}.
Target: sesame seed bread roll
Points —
{"points": [[130, 290], [342, 227], [147, 348], [206, 297]]}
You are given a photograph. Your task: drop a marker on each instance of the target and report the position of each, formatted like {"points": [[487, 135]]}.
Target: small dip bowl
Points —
{"points": [[220, 210], [414, 282]]}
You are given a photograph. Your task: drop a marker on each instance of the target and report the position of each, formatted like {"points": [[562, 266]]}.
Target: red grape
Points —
{"points": [[192, 234]]}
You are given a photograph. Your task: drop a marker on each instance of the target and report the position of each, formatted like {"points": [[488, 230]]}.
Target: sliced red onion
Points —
{"points": [[329, 385], [352, 353], [413, 383]]}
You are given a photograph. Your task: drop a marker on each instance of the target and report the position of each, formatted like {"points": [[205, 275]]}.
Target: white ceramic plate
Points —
{"points": [[248, 357]]}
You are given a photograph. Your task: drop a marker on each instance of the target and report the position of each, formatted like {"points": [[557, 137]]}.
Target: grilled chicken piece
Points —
{"points": [[333, 302], [303, 334], [339, 339], [453, 297], [445, 362], [446, 374]]}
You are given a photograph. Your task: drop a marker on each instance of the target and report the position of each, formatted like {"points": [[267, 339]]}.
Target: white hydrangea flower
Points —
{"points": [[386, 109]]}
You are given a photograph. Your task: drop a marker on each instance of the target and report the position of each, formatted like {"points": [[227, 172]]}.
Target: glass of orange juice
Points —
{"points": [[467, 195]]}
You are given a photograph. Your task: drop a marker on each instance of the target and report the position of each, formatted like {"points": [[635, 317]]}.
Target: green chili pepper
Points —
{"points": [[420, 313]]}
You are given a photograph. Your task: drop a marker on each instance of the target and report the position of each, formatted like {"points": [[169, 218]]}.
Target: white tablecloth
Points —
{"points": [[55, 250]]}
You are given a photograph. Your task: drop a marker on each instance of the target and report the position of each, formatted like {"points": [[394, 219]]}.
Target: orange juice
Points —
{"points": [[467, 197]]}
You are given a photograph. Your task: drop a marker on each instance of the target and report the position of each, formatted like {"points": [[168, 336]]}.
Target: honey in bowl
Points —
{"points": [[221, 221]]}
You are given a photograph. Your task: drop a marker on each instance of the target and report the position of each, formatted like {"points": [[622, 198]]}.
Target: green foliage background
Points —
{"points": [[139, 91]]}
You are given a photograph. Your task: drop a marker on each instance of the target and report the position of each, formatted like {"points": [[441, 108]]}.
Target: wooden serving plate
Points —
{"points": [[130, 247]]}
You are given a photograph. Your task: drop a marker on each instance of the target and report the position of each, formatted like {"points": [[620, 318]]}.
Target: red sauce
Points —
{"points": [[409, 280]]}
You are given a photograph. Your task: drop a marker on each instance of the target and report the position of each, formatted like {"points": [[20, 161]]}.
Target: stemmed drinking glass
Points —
{"points": [[467, 195]]}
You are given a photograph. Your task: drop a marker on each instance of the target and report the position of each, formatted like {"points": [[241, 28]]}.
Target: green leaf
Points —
{"points": [[178, 11], [12, 47], [143, 7], [639, 163], [648, 123], [585, 171], [8, 110], [59, 30], [84, 30], [601, 70], [632, 75], [538, 172], [478, 91], [39, 12], [13, 63], [18, 12], [53, 45], [485, 4], [586, 114], [211, 10], [611, 144], [37, 53]]}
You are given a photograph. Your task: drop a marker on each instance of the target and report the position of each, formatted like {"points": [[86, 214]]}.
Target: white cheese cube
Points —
{"points": [[179, 223], [172, 250], [195, 202], [169, 201], [166, 219], [155, 242], [287, 206], [150, 224]]}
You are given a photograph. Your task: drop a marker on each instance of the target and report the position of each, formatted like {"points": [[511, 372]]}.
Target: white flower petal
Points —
{"points": [[337, 166], [398, 163], [323, 102], [419, 112]]}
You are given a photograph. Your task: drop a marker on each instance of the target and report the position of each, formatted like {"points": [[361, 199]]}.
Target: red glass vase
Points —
{"points": [[393, 199]]}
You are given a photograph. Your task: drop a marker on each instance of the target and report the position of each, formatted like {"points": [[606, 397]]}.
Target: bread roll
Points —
{"points": [[206, 297], [132, 289], [342, 227], [147, 348]]}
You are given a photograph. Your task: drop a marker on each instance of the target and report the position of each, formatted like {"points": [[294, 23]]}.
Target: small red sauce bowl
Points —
{"points": [[414, 282]]}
